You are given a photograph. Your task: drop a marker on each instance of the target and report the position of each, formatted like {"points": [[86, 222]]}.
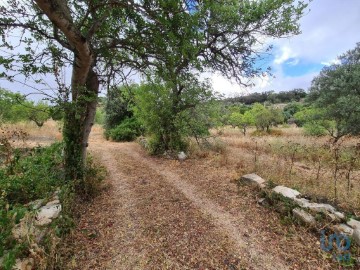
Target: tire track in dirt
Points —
{"points": [[126, 256], [223, 220], [158, 209]]}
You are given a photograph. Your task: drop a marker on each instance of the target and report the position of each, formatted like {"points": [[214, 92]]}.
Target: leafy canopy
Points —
{"points": [[336, 91]]}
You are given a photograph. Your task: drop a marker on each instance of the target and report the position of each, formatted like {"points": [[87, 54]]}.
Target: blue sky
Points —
{"points": [[330, 28]]}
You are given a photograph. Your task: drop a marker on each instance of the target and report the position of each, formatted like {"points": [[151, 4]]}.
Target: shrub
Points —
{"points": [[312, 129], [127, 131], [32, 176]]}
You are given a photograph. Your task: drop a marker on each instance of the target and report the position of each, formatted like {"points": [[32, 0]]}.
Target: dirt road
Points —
{"points": [[165, 214]]}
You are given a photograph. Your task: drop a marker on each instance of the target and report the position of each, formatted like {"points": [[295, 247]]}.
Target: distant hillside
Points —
{"points": [[270, 96]]}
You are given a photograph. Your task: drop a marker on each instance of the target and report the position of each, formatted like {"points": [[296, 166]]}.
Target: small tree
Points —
{"points": [[315, 122], [242, 121], [170, 127], [265, 117]]}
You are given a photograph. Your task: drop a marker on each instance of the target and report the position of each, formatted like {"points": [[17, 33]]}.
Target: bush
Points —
{"points": [[100, 116], [127, 131], [32, 175], [312, 129]]}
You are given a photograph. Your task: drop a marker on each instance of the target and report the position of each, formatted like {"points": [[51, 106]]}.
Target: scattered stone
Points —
{"points": [[22, 230], [356, 236], [46, 214], [332, 216], [353, 223], [261, 201], [35, 204], [54, 202], [304, 216], [182, 156], [344, 229], [253, 179], [340, 215], [286, 192], [302, 201], [321, 207]]}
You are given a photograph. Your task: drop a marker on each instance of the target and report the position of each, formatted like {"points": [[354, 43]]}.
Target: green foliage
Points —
{"points": [[118, 105], [15, 108], [294, 95], [167, 36], [314, 129], [32, 176], [291, 109], [241, 120], [8, 102], [127, 131], [336, 92], [100, 116], [265, 117], [169, 118], [315, 122]]}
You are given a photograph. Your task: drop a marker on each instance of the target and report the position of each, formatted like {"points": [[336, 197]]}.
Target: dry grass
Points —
{"points": [[293, 160], [45, 135]]}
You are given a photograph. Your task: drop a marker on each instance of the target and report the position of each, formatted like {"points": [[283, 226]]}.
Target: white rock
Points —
{"points": [[304, 216], [356, 236], [287, 192], [261, 201], [339, 215], [301, 201], [182, 156], [46, 214], [321, 207], [355, 224], [253, 179], [36, 204], [343, 228], [54, 202], [23, 229]]}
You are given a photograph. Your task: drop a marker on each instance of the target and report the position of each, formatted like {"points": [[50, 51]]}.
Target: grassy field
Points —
{"points": [[313, 165]]}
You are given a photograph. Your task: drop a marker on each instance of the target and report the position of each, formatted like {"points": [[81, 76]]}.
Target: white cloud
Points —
{"points": [[285, 53], [331, 62]]}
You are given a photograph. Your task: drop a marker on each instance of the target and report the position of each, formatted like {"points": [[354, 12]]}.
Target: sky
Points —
{"points": [[329, 29]]}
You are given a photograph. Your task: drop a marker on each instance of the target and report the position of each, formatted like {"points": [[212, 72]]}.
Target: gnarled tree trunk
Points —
{"points": [[80, 111]]}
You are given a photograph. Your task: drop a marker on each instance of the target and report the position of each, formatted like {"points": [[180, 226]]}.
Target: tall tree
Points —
{"points": [[99, 39], [336, 91]]}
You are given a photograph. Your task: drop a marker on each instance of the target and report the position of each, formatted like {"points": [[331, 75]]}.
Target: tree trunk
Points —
{"points": [[79, 119], [80, 111]]}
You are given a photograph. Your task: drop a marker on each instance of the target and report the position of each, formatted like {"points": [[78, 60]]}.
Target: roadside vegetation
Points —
{"points": [[31, 171]]}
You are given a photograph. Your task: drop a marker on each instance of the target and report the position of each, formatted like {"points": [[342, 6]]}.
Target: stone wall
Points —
{"points": [[305, 210]]}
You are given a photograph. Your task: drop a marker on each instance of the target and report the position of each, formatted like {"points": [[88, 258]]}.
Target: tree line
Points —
{"points": [[270, 96]]}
